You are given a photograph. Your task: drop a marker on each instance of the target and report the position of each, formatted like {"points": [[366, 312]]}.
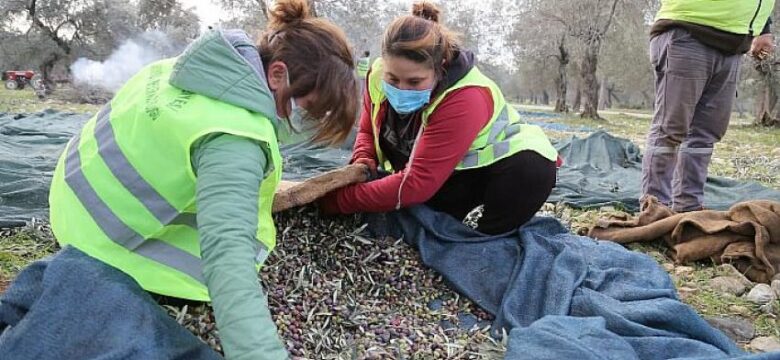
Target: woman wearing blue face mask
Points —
{"points": [[445, 132]]}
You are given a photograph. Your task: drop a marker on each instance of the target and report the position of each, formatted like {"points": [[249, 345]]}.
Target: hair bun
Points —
{"points": [[426, 10], [285, 12]]}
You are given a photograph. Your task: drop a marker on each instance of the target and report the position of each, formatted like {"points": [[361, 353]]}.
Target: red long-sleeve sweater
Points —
{"points": [[451, 129]]}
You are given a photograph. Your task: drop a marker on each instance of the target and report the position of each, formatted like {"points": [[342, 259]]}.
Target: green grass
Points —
{"points": [[25, 101], [710, 302], [22, 247]]}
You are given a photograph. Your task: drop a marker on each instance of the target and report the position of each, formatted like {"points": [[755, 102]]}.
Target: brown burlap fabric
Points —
{"points": [[747, 235]]}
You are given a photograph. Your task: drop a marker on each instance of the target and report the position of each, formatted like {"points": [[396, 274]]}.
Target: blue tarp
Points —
{"points": [[72, 306], [602, 169], [562, 296], [29, 147], [554, 126]]}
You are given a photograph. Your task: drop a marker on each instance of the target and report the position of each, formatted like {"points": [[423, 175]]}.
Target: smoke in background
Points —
{"points": [[125, 61]]}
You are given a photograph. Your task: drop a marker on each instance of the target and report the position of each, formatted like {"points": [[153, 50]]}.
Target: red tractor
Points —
{"points": [[17, 80]]}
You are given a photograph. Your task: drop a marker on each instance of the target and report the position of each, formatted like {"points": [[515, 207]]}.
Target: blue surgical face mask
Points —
{"points": [[297, 116], [406, 101], [294, 129]]}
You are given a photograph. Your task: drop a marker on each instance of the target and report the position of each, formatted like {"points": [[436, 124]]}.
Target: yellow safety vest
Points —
{"points": [[503, 136], [363, 65], [744, 17], [124, 189]]}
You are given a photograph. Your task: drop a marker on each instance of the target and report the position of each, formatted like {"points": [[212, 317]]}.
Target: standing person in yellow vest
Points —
{"points": [[696, 49], [172, 182], [445, 132]]}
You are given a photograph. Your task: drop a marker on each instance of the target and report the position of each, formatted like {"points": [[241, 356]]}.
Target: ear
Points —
{"points": [[277, 75]]}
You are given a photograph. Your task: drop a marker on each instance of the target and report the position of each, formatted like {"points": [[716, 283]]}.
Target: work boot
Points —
{"points": [[657, 171], [689, 178]]}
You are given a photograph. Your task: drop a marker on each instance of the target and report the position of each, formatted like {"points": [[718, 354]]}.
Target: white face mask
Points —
{"points": [[294, 129]]}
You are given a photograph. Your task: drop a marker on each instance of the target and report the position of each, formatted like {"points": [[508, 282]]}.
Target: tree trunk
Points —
{"points": [[62, 44], [46, 70], [767, 105], [545, 97], [740, 108], [647, 100], [560, 93], [575, 106], [592, 40], [604, 98], [561, 82], [612, 94], [591, 85], [767, 102]]}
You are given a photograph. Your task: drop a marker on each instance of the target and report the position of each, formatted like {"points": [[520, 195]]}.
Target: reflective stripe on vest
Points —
{"points": [[116, 230], [503, 135], [124, 191], [501, 129], [743, 17], [126, 174]]}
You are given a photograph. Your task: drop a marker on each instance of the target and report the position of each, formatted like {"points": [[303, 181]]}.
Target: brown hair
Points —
{"points": [[421, 38], [319, 59]]}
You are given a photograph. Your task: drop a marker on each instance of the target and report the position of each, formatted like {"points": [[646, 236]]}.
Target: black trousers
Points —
{"points": [[512, 190]]}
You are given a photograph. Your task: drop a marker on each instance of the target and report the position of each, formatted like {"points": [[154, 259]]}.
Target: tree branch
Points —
{"points": [[51, 34], [264, 7], [611, 16], [556, 18]]}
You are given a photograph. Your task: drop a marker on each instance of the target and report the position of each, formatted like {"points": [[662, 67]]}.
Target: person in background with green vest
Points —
{"points": [[363, 65], [445, 132], [172, 182], [696, 49]]}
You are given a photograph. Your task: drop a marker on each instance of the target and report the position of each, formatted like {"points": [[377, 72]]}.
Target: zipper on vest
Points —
{"points": [[750, 30]]}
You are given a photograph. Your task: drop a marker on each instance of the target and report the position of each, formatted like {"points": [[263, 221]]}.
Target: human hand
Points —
{"points": [[762, 46], [370, 163]]}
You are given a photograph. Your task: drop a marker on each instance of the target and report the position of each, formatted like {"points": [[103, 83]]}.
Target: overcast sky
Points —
{"points": [[210, 13]]}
